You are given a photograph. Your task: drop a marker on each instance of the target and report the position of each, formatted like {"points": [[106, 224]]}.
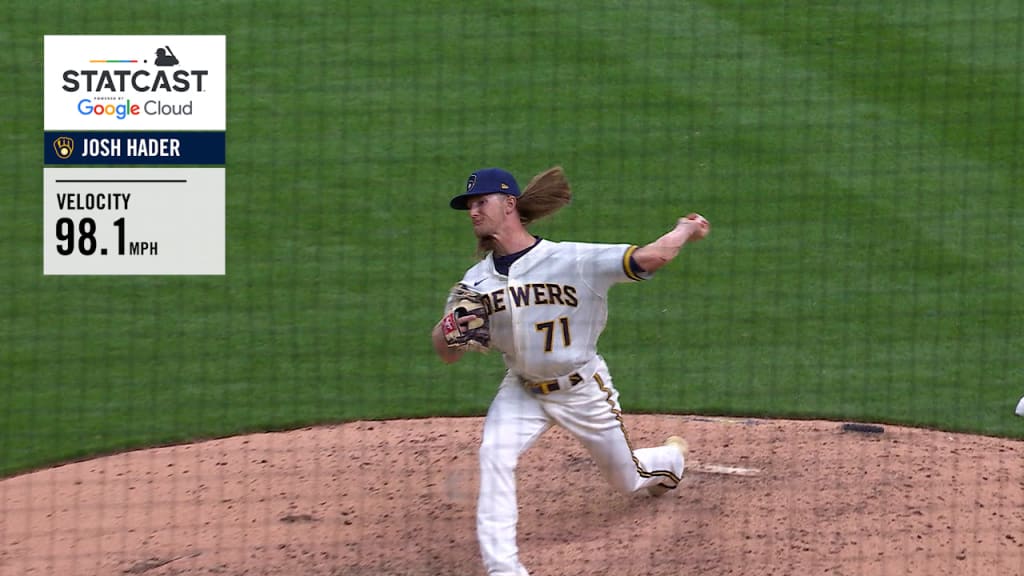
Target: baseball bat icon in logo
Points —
{"points": [[63, 146], [164, 57]]}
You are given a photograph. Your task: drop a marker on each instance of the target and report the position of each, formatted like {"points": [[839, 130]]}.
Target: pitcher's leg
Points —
{"points": [[593, 415], [514, 422]]}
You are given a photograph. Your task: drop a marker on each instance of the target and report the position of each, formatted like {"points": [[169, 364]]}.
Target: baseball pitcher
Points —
{"points": [[543, 305]]}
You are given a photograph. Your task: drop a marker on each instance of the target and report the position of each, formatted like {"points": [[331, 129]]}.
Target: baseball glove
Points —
{"points": [[473, 335]]}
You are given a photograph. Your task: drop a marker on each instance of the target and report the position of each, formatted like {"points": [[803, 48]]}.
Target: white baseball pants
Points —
{"points": [[590, 412]]}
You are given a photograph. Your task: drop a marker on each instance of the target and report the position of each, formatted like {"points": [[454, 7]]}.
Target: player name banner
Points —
{"points": [[150, 148], [151, 102]]}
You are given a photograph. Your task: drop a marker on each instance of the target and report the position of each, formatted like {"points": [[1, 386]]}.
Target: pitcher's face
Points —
{"points": [[488, 213]]}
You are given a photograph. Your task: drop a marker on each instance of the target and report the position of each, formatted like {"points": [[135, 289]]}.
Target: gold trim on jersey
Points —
{"points": [[622, 426], [627, 267]]}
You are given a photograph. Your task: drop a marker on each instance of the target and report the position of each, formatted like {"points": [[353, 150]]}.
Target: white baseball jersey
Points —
{"points": [[547, 314]]}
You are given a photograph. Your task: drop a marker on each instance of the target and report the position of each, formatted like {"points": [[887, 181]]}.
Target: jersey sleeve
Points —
{"points": [[603, 265]]}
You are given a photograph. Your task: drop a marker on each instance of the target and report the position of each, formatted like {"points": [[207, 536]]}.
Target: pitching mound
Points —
{"points": [[398, 498]]}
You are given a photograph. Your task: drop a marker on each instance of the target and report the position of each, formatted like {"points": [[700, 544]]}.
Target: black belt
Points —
{"points": [[548, 386]]}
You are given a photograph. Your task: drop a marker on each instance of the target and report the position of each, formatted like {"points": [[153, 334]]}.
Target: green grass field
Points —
{"points": [[861, 166]]}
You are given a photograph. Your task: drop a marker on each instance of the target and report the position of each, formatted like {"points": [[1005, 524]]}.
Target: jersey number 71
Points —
{"points": [[548, 328]]}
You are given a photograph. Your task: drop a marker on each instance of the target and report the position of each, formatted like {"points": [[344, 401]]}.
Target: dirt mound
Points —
{"points": [[398, 498]]}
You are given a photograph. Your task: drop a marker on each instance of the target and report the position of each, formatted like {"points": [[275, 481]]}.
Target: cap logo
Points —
{"points": [[471, 182], [504, 186]]}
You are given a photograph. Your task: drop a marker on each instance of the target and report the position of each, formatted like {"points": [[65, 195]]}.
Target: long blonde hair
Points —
{"points": [[547, 193]]}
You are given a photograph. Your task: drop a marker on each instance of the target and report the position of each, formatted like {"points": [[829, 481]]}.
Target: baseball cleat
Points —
{"points": [[658, 490], [679, 443]]}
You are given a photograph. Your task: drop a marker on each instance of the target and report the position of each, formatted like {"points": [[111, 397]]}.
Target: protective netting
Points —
{"points": [[860, 164]]}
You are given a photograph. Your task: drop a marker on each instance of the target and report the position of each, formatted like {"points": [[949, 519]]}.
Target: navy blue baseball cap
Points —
{"points": [[486, 181]]}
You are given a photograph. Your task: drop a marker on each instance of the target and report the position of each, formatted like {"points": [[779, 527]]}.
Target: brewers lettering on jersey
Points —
{"points": [[547, 306]]}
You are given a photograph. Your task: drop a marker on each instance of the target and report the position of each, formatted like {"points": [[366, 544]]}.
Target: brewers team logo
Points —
{"points": [[471, 182], [63, 146]]}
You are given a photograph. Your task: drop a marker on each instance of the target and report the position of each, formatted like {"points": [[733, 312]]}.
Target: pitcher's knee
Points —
{"points": [[494, 455]]}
